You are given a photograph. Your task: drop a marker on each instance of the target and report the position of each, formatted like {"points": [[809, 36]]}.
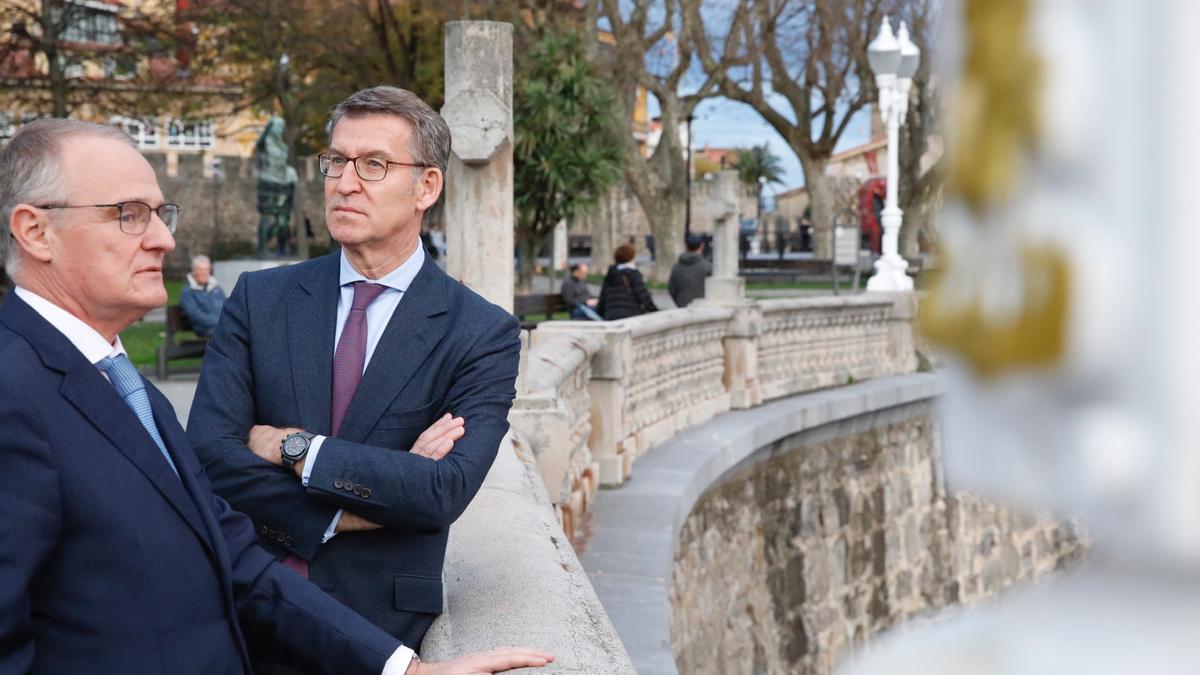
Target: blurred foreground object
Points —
{"points": [[1067, 307]]}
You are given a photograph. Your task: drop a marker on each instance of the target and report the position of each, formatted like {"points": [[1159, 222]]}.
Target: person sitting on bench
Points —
{"points": [[202, 299], [576, 294]]}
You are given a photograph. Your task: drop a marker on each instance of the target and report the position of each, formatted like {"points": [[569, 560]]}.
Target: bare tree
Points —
{"points": [[61, 55], [921, 165], [802, 65], [652, 50]]}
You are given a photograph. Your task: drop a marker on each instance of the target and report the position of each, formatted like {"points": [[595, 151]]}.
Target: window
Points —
{"points": [[190, 135], [145, 133], [91, 21]]}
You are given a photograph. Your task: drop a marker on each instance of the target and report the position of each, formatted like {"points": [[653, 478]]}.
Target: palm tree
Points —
{"points": [[756, 167]]}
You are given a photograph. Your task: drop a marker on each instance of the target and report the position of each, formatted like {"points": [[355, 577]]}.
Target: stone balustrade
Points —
{"points": [[812, 343], [594, 396], [552, 413]]}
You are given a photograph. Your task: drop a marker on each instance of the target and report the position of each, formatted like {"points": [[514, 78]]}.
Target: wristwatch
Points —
{"points": [[295, 447]]}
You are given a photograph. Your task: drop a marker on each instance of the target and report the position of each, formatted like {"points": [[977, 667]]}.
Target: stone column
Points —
{"points": [[479, 182], [724, 208], [558, 257], [741, 355]]}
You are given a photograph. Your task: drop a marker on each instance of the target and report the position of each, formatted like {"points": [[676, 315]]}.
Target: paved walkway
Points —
{"points": [[630, 550]]}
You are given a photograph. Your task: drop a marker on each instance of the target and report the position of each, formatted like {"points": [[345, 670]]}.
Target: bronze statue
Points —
{"points": [[276, 188]]}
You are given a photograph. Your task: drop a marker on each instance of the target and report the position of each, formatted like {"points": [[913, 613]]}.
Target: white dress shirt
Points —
{"points": [[85, 338]]}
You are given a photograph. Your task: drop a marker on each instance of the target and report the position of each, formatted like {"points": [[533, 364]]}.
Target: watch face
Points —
{"points": [[295, 445]]}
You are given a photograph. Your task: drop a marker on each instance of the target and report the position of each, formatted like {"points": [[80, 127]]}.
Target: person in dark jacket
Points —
{"points": [[203, 297], [578, 296], [687, 276], [624, 293]]}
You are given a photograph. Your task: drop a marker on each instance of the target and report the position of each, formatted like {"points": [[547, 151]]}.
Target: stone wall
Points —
{"points": [[828, 536]]}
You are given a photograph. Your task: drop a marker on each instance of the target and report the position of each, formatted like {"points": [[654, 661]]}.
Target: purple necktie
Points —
{"points": [[351, 352], [348, 360]]}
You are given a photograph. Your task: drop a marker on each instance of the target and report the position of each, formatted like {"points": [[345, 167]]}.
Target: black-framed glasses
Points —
{"points": [[133, 217], [333, 165]]}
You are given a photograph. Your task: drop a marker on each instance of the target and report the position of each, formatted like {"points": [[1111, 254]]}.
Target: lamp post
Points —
{"points": [[687, 208], [894, 60]]}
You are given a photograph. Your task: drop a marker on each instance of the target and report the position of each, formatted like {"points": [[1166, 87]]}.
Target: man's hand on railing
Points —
{"points": [[483, 663]]}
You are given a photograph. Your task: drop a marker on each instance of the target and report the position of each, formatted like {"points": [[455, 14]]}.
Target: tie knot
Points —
{"points": [[365, 294], [122, 373]]}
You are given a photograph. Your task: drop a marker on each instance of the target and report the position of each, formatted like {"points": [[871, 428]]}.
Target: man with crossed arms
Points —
{"points": [[322, 375]]}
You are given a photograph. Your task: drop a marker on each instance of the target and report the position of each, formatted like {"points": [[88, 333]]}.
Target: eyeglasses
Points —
{"points": [[368, 168], [133, 217]]}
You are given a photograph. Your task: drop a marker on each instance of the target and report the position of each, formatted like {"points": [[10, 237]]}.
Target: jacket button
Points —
{"points": [[263, 529], [279, 537], [338, 483], [350, 486], [288, 541], [366, 493]]}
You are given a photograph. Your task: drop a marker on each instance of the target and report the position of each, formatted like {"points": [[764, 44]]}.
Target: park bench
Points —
{"points": [[172, 347], [527, 306]]}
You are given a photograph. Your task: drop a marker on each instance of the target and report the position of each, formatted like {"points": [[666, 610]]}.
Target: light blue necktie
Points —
{"points": [[129, 385]]}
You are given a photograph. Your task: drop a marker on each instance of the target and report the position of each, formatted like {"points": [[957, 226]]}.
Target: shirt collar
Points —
{"points": [[85, 338], [399, 278]]}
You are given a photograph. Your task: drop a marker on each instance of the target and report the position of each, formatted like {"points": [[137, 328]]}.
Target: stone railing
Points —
{"points": [[594, 396], [812, 343], [554, 416]]}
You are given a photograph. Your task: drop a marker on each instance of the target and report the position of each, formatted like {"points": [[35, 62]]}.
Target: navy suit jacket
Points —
{"points": [[109, 562], [270, 361]]}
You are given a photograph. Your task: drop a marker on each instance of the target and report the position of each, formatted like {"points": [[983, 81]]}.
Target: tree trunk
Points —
{"points": [[528, 244], [604, 228], [821, 200], [666, 224]]}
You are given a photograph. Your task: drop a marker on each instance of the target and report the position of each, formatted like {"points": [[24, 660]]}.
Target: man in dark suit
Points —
{"points": [[342, 361], [115, 555]]}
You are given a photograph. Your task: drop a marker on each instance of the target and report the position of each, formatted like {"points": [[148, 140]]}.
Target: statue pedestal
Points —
{"points": [[228, 271]]}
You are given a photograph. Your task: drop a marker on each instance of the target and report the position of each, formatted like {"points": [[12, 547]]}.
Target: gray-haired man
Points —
{"points": [[345, 360]]}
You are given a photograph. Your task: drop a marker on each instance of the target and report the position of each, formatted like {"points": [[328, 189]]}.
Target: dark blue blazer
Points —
{"points": [[270, 361], [110, 563]]}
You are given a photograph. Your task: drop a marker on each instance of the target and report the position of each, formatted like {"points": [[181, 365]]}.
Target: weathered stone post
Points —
{"points": [[725, 284], [726, 287], [562, 247], [479, 182]]}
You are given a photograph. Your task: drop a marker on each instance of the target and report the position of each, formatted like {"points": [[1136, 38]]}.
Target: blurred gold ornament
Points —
{"points": [[995, 111], [993, 342], [995, 107]]}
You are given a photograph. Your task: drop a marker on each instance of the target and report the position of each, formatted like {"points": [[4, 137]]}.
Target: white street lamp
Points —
{"points": [[894, 60]]}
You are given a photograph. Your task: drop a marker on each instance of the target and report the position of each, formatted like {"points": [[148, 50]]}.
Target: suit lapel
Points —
{"points": [[86, 389], [410, 336], [311, 317]]}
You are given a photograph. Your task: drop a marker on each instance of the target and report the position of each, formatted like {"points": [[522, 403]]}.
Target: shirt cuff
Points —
{"points": [[310, 461], [331, 531], [314, 447], [399, 661]]}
